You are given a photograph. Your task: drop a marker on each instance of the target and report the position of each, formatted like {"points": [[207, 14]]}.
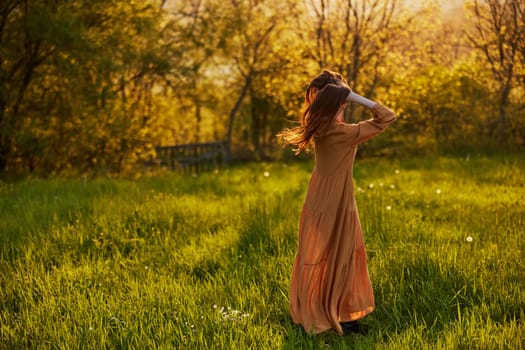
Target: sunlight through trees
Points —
{"points": [[89, 87]]}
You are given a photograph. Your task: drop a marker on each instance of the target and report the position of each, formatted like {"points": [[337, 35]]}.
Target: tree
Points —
{"points": [[77, 78], [196, 31], [352, 37], [497, 32], [261, 52], [23, 48], [519, 11]]}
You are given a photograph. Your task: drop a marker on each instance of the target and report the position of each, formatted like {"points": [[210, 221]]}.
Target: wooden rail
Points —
{"points": [[193, 156]]}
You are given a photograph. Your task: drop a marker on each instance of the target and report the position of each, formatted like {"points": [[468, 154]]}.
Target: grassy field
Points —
{"points": [[204, 262]]}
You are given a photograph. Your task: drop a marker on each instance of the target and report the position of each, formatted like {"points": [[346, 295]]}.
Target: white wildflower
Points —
{"points": [[438, 191], [116, 320], [396, 171], [371, 185], [232, 315], [469, 239], [266, 174], [388, 207]]}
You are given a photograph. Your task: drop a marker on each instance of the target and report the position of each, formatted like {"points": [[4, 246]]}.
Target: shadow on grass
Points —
{"points": [[417, 295], [421, 293]]}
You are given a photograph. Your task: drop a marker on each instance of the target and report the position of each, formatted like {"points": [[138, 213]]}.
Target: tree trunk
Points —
{"points": [[504, 101], [502, 116], [352, 72], [246, 85], [4, 139], [198, 118], [255, 125], [5, 149]]}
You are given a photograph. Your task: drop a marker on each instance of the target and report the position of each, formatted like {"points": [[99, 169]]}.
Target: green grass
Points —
{"points": [[204, 262]]}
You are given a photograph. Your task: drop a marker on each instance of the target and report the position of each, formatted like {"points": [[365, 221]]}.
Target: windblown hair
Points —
{"points": [[325, 96]]}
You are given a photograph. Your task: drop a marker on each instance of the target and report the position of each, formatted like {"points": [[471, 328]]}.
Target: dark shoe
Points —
{"points": [[303, 332], [354, 327]]}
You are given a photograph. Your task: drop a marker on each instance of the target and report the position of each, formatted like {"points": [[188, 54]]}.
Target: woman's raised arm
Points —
{"points": [[353, 97]]}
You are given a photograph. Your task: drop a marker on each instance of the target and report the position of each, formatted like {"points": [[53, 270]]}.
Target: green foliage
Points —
{"points": [[90, 87], [436, 108], [204, 262], [87, 83]]}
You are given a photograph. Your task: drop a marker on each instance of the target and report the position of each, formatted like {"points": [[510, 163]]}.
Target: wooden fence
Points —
{"points": [[193, 156]]}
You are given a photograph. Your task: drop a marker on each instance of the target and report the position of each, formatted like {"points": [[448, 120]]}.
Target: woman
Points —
{"points": [[330, 285]]}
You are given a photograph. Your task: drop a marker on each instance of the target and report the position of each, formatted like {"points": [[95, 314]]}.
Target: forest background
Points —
{"points": [[91, 87]]}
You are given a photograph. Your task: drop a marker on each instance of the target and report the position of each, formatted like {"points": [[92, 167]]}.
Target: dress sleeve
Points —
{"points": [[367, 129]]}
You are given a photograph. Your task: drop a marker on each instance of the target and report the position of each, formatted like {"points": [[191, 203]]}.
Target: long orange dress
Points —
{"points": [[330, 281]]}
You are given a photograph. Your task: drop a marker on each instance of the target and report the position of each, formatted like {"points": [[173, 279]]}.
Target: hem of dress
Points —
{"points": [[354, 316]]}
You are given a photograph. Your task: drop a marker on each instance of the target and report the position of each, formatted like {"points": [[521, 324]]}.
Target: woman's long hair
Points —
{"points": [[325, 96]]}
